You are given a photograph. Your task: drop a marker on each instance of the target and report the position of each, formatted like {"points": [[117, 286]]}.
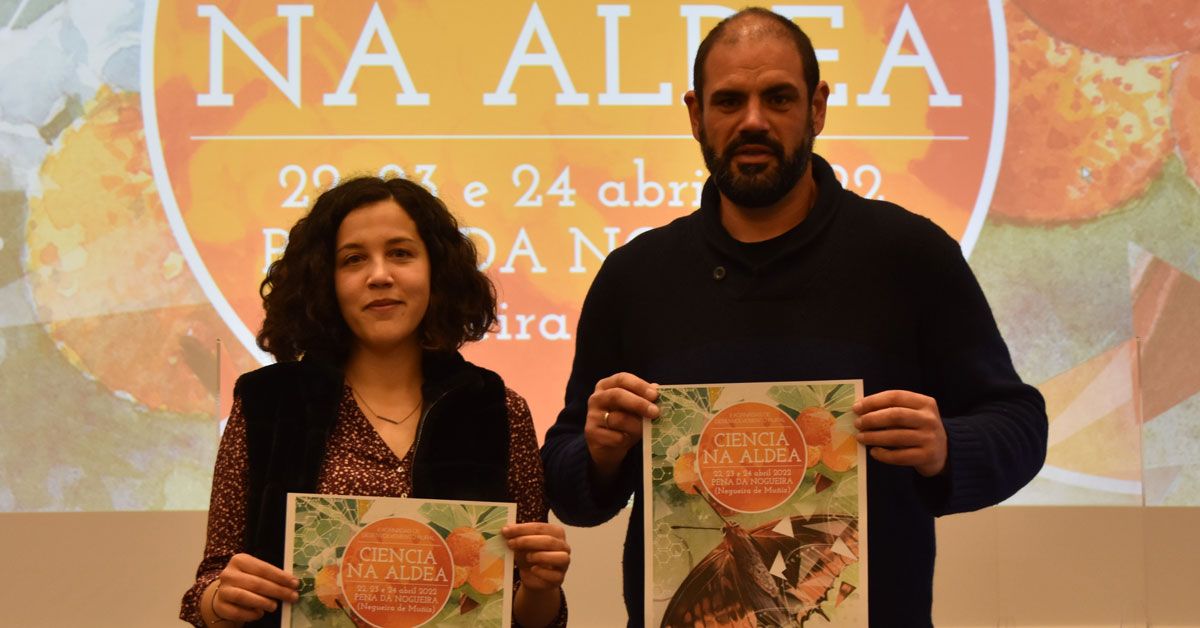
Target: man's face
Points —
{"points": [[757, 124], [759, 183]]}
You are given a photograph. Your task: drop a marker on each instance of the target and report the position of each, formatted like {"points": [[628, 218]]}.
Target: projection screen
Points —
{"points": [[153, 156]]}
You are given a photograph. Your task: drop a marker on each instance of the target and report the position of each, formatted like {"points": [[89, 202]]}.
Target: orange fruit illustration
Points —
{"points": [[465, 543], [1121, 28], [326, 586], [686, 476], [1086, 132], [108, 278], [816, 423], [460, 575], [487, 576], [1185, 112], [842, 452], [813, 457]]}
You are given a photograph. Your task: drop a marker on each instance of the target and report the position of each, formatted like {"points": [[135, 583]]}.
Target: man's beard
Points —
{"points": [[757, 185]]}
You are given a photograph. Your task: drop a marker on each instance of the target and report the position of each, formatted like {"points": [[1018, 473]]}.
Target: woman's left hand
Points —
{"points": [[540, 552]]}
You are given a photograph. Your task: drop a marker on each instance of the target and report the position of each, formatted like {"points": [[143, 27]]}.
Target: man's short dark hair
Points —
{"points": [[786, 28], [302, 312]]}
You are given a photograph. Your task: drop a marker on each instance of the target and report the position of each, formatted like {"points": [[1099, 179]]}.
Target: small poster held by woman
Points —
{"points": [[396, 563]]}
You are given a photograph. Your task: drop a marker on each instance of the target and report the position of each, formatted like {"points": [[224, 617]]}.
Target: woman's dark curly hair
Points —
{"points": [[302, 313]]}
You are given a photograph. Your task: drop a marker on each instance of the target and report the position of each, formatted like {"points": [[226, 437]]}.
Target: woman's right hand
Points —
{"points": [[249, 588]]}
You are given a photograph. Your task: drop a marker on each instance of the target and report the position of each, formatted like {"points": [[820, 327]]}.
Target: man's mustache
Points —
{"points": [[755, 139]]}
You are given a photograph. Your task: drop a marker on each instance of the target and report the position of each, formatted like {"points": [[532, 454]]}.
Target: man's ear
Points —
{"points": [[820, 99], [693, 104]]}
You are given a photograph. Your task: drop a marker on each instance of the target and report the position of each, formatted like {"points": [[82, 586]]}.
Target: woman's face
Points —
{"points": [[381, 276]]}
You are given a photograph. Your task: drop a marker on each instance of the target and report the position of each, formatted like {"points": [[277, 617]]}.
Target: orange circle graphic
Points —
{"points": [[253, 108], [397, 572], [752, 457]]}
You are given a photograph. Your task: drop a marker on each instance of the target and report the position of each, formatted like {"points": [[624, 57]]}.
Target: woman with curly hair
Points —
{"points": [[365, 312]]}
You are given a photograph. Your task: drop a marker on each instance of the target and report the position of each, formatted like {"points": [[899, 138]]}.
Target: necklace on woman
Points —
{"points": [[406, 417]]}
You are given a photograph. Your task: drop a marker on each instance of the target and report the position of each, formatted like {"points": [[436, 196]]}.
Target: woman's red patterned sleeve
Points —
{"points": [[525, 480], [226, 512]]}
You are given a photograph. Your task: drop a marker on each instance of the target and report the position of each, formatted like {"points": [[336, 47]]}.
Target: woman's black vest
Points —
{"points": [[460, 450]]}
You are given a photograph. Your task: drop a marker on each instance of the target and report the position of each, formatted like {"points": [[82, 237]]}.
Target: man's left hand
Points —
{"points": [[903, 428]]}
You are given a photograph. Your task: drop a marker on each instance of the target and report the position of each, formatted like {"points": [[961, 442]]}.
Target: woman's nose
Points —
{"points": [[380, 275]]}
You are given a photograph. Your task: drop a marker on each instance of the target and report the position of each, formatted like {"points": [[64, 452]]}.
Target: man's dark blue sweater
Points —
{"points": [[860, 289]]}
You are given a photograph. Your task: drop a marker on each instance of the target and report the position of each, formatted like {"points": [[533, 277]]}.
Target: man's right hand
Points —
{"points": [[615, 414]]}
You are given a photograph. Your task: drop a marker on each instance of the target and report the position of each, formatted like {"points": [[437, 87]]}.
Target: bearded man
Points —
{"points": [[783, 275]]}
